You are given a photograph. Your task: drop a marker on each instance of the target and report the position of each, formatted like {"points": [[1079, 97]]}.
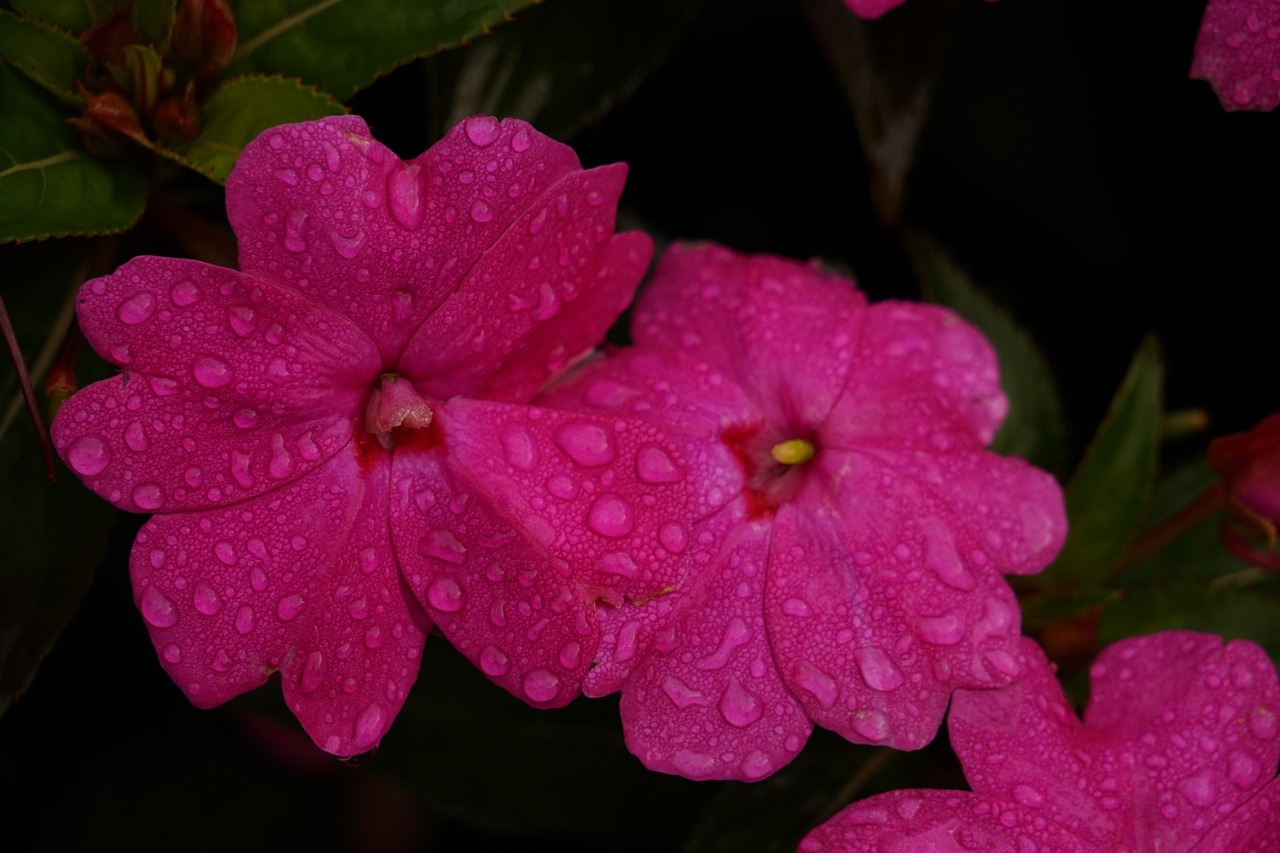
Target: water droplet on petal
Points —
{"points": [[878, 671], [207, 600], [136, 309], [281, 464], [211, 372], [739, 706], [244, 620], [817, 682], [541, 685], [312, 673], [148, 496], [88, 455], [610, 516], [294, 236], [289, 607], [445, 594], [348, 247], [243, 319], [1198, 790], [586, 443], [1028, 796], [136, 437], [184, 293], [481, 212], [405, 195], [520, 449], [286, 176], [872, 726], [369, 727], [481, 130], [157, 609], [442, 545], [673, 537], [654, 465], [493, 661], [570, 655], [944, 630], [172, 653], [245, 418]]}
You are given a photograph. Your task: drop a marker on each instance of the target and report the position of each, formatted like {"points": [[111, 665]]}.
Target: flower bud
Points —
{"points": [[108, 39], [205, 33], [112, 111], [177, 118], [1249, 464]]}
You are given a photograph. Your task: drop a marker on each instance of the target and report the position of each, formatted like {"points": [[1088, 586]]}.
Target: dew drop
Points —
{"points": [[405, 195], [445, 594], [494, 662], [312, 673], [878, 671], [694, 765], [348, 247], [244, 620], [88, 455], [294, 237], [1198, 790], [211, 372], [654, 465], [157, 609], [562, 487], [172, 653], [281, 464], [148, 496], [136, 437], [610, 516], [369, 726], [1028, 796], [207, 600], [673, 537], [817, 682], [184, 293], [1242, 770], [242, 319], [245, 418], [739, 706], [944, 630], [481, 212], [286, 176], [585, 443], [541, 685], [872, 726], [570, 655], [136, 309], [519, 447], [482, 130], [442, 545], [373, 637]]}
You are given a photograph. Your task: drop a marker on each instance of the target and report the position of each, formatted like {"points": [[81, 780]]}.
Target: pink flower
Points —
{"points": [[1177, 752], [337, 432], [871, 9], [1238, 53], [1249, 464], [848, 554]]}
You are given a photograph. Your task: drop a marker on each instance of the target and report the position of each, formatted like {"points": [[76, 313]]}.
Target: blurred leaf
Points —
{"points": [[74, 15], [54, 534], [50, 57], [562, 65], [153, 19], [1033, 429], [1041, 611], [50, 186], [240, 110], [344, 45], [1109, 490], [1252, 612], [477, 754]]}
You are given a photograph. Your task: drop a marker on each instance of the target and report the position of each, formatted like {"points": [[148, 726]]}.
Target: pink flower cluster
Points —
{"points": [[1177, 752]]}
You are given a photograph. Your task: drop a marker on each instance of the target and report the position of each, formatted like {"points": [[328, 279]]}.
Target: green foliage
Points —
{"points": [[344, 45], [47, 55], [153, 20], [1033, 429], [562, 65], [51, 187], [242, 109], [74, 15], [1109, 490]]}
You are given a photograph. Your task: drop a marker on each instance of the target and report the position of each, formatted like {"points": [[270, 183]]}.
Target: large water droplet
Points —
{"points": [[172, 653], [944, 630], [244, 619], [369, 727], [445, 594], [1028, 796], [878, 671], [157, 609], [245, 418], [610, 516], [520, 141], [442, 545], [136, 309], [184, 293], [405, 195], [348, 247], [1242, 770], [206, 600], [872, 726], [681, 694], [294, 236], [817, 682], [211, 372], [481, 212], [136, 437], [88, 455], [694, 765], [586, 443], [940, 556], [281, 464], [493, 661], [673, 537], [739, 706], [481, 130], [148, 496], [242, 319], [312, 673], [1198, 790], [541, 685], [654, 465], [520, 449]]}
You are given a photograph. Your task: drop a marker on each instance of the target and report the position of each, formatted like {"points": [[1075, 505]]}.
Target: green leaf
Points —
{"points": [[1109, 490], [74, 15], [1252, 613], [562, 65], [153, 20], [54, 534], [1033, 429], [344, 45], [50, 186], [239, 111], [49, 56]]}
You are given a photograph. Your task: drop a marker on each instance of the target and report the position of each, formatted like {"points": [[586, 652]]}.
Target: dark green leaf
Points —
{"points": [[53, 533], [561, 65], [49, 56], [74, 15], [239, 111], [1033, 428], [1109, 490], [153, 19], [344, 45], [51, 187]]}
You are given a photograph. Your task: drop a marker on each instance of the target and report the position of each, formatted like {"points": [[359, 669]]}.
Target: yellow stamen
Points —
{"points": [[793, 452]]}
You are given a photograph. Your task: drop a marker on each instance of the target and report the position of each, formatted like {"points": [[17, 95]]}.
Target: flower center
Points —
{"points": [[795, 451], [774, 470], [394, 404]]}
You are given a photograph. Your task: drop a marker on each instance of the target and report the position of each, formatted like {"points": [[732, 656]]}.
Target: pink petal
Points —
{"points": [[228, 594], [350, 671], [1253, 826], [783, 332], [921, 377], [543, 295], [707, 702], [325, 208], [1204, 720], [232, 387], [885, 593], [871, 9], [929, 821], [1238, 53], [1024, 744]]}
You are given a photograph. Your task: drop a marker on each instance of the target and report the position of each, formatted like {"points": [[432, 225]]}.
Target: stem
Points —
{"points": [[28, 393], [873, 765], [1206, 504]]}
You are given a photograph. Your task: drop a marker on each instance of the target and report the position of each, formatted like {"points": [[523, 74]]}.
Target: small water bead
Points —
{"points": [[519, 447], [184, 293], [481, 212], [655, 466], [588, 444], [211, 372], [610, 516], [88, 455], [242, 320], [148, 496], [445, 594], [136, 437], [157, 609], [136, 309], [312, 675], [206, 600], [673, 537], [494, 662], [286, 176], [172, 653], [520, 141], [541, 685], [482, 130], [739, 706], [244, 619], [369, 726]]}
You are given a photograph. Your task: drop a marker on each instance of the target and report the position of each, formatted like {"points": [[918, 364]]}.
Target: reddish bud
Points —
{"points": [[177, 118], [108, 39], [142, 75], [205, 33], [1249, 464], [112, 111]]}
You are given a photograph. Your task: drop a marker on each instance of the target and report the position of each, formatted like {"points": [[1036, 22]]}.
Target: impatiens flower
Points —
{"points": [[1238, 53], [1249, 464], [335, 437], [871, 9], [847, 559], [1177, 752]]}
